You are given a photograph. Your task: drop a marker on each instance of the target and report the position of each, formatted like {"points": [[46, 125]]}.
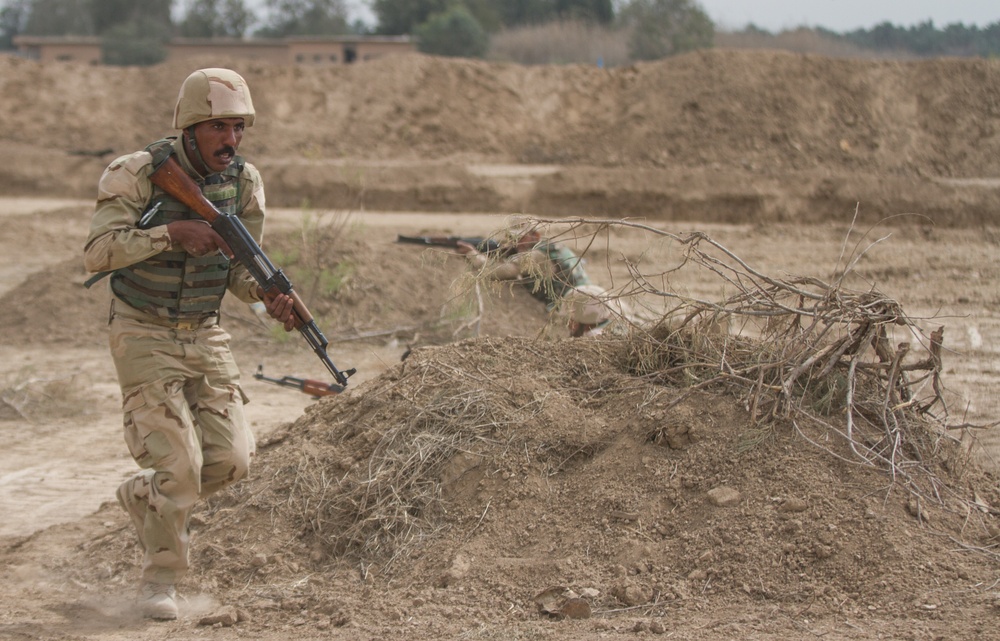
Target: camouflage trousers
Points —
{"points": [[184, 426]]}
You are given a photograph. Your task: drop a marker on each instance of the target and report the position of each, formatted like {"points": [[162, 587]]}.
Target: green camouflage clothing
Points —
{"points": [[549, 270]]}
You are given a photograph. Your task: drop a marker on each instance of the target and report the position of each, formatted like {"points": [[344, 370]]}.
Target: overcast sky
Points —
{"points": [[848, 15]]}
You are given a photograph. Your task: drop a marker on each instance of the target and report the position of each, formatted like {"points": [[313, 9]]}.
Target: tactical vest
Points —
{"points": [[568, 273], [175, 284]]}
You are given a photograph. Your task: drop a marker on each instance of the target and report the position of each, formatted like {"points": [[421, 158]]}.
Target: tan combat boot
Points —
{"points": [[158, 601]]}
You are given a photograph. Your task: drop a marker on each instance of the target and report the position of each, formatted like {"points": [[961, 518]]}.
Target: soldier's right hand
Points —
{"points": [[197, 238]]}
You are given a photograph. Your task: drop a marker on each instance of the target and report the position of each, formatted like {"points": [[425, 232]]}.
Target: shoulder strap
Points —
{"points": [[160, 151]]}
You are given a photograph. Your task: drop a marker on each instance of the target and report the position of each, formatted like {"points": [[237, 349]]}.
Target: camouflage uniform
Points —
{"points": [[550, 270], [182, 401]]}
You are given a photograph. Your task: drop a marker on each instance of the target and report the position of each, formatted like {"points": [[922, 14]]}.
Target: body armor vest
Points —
{"points": [[569, 273], [174, 284]]}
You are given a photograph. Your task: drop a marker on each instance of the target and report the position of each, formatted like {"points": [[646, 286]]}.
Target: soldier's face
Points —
{"points": [[528, 241], [218, 141]]}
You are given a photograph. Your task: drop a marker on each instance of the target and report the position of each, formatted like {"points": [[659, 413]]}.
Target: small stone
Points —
{"points": [[723, 496], [575, 609], [226, 617], [793, 505]]}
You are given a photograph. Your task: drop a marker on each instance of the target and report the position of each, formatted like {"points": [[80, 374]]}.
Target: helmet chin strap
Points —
{"points": [[192, 146]]}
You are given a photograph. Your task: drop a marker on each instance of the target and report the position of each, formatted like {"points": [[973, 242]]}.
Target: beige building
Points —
{"points": [[306, 50]]}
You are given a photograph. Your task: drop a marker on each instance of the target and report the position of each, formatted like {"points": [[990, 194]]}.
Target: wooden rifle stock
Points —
{"points": [[171, 178], [314, 388]]}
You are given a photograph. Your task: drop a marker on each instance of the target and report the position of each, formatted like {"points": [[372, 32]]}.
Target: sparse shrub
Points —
{"points": [[662, 28], [456, 32], [134, 43]]}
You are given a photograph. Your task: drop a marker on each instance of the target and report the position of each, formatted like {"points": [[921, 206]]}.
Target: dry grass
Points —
{"points": [[381, 506], [801, 349], [562, 42], [801, 40], [796, 351], [573, 42]]}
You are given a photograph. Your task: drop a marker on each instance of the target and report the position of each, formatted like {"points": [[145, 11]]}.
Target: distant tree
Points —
{"points": [[398, 17], [213, 18], [988, 41], [360, 27], [662, 28], [106, 14], [13, 18], [486, 12], [753, 29], [453, 33], [59, 18], [136, 42], [600, 11], [514, 13], [924, 39], [305, 18]]}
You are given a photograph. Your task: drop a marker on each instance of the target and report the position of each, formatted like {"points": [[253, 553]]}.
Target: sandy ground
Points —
{"points": [[64, 454], [56, 471], [584, 476]]}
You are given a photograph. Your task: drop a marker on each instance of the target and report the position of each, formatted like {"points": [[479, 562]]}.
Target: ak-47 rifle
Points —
{"points": [[314, 388], [170, 177], [485, 245]]}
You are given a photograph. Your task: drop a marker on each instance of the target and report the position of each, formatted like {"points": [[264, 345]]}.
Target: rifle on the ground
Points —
{"points": [[314, 388], [170, 177], [485, 245]]}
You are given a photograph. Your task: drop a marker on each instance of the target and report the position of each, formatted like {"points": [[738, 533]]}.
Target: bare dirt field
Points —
{"points": [[468, 491]]}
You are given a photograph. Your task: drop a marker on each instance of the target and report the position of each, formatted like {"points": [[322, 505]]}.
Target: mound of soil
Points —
{"points": [[719, 135], [502, 486], [448, 491]]}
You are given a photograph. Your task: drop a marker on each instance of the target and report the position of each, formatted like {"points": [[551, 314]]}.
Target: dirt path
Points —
{"points": [[945, 275], [63, 454], [60, 418]]}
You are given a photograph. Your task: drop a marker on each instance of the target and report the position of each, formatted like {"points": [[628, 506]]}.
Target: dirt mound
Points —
{"points": [[401, 132], [459, 487], [769, 109], [442, 494]]}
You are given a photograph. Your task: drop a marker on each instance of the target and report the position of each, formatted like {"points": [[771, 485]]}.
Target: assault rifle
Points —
{"points": [[169, 176], [314, 388], [485, 245]]}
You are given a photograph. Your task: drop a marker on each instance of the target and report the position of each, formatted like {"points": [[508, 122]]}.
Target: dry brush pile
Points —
{"points": [[850, 362], [381, 472]]}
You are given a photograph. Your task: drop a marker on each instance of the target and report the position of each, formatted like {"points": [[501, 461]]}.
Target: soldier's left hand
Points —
{"points": [[280, 307]]}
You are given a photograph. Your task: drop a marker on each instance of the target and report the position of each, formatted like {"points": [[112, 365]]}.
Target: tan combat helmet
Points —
{"points": [[213, 93]]}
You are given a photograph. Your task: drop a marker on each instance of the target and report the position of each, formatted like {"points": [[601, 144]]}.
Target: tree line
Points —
{"points": [[135, 31], [924, 39]]}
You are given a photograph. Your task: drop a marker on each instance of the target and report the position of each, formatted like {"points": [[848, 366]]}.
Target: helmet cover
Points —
{"points": [[208, 94]]}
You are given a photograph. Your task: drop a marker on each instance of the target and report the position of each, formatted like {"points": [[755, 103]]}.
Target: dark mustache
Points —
{"points": [[226, 150]]}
